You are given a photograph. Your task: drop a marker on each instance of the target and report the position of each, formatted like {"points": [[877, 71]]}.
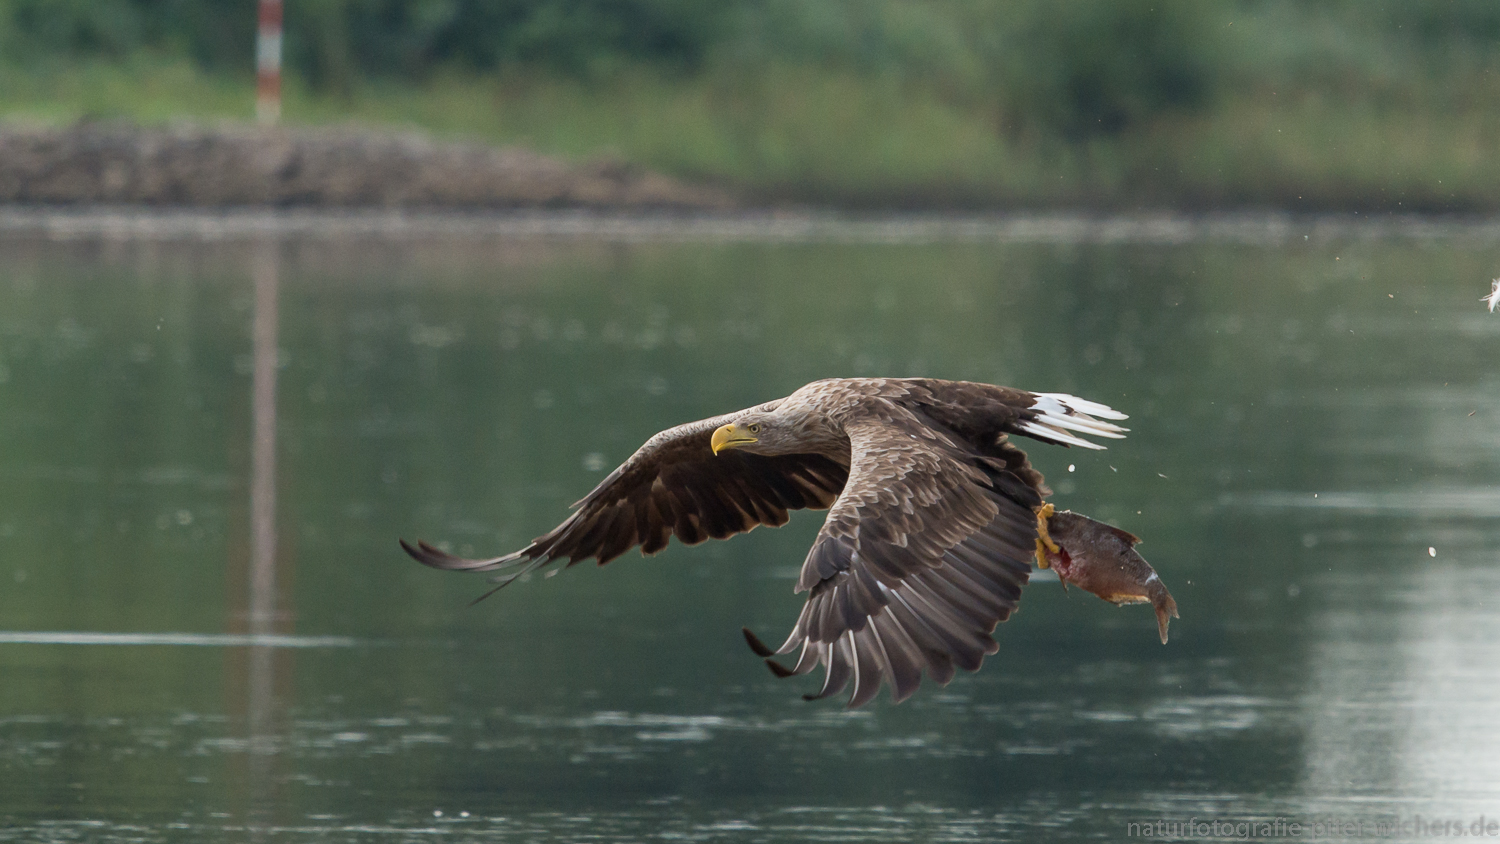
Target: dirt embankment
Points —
{"points": [[238, 165]]}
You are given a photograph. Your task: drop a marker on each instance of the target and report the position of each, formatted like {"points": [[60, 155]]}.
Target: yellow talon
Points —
{"points": [[1044, 541]]}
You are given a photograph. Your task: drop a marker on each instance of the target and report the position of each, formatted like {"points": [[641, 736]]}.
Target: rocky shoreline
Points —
{"points": [[237, 165], [1266, 228]]}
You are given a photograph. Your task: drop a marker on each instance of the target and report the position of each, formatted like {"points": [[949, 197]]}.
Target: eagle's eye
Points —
{"points": [[754, 427]]}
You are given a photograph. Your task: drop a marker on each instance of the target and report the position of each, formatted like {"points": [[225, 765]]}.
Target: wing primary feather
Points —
{"points": [[799, 633], [780, 670], [988, 580], [985, 598], [824, 623], [869, 671], [619, 538], [437, 558], [647, 524], [688, 529], [928, 640], [967, 607], [839, 661], [864, 591], [828, 557], [812, 654], [936, 653], [855, 659], [760, 648], [590, 541], [848, 615], [963, 643], [903, 657], [985, 572]]}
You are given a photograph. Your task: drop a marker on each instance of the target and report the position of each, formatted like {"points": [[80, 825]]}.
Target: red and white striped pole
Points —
{"points": [[268, 63]]}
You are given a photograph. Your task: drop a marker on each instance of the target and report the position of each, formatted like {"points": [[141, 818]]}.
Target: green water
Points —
{"points": [[1314, 463]]}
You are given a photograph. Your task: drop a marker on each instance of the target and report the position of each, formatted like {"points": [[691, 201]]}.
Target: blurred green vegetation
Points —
{"points": [[1341, 103]]}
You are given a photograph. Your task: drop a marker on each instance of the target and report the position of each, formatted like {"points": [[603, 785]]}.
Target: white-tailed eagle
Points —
{"points": [[934, 519]]}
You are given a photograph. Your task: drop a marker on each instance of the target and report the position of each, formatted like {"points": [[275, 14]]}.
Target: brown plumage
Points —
{"points": [[931, 528]]}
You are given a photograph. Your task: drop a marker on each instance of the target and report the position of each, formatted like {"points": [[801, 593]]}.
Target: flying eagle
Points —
{"points": [[934, 518]]}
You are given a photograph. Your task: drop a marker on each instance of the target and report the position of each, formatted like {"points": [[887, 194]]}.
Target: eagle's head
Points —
{"points": [[758, 433]]}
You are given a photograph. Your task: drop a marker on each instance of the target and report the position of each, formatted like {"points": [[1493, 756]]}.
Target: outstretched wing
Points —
{"points": [[673, 485], [922, 555]]}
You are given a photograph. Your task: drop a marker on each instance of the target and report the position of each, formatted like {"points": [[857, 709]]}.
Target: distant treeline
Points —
{"points": [[1074, 68], [1325, 102]]}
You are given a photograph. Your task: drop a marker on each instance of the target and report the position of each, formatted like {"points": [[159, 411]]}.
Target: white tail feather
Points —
{"points": [[1085, 425], [1092, 408], [1058, 435], [1059, 413]]}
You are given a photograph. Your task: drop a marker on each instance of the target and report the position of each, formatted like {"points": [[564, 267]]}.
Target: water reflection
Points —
{"points": [[262, 614], [1404, 711], [259, 685]]}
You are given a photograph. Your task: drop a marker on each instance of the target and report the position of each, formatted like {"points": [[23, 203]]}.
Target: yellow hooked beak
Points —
{"points": [[731, 436]]}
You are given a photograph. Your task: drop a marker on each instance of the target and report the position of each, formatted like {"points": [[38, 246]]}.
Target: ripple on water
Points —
{"points": [[1475, 502]]}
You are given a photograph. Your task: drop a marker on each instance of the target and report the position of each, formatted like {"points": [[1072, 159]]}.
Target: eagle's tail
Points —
{"points": [[1055, 415]]}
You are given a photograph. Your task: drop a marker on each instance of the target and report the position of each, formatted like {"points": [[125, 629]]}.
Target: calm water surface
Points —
{"points": [[1314, 463]]}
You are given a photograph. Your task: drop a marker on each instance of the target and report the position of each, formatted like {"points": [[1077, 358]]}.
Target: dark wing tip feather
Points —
{"points": [[428, 555], [778, 669], [437, 558], [761, 648]]}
